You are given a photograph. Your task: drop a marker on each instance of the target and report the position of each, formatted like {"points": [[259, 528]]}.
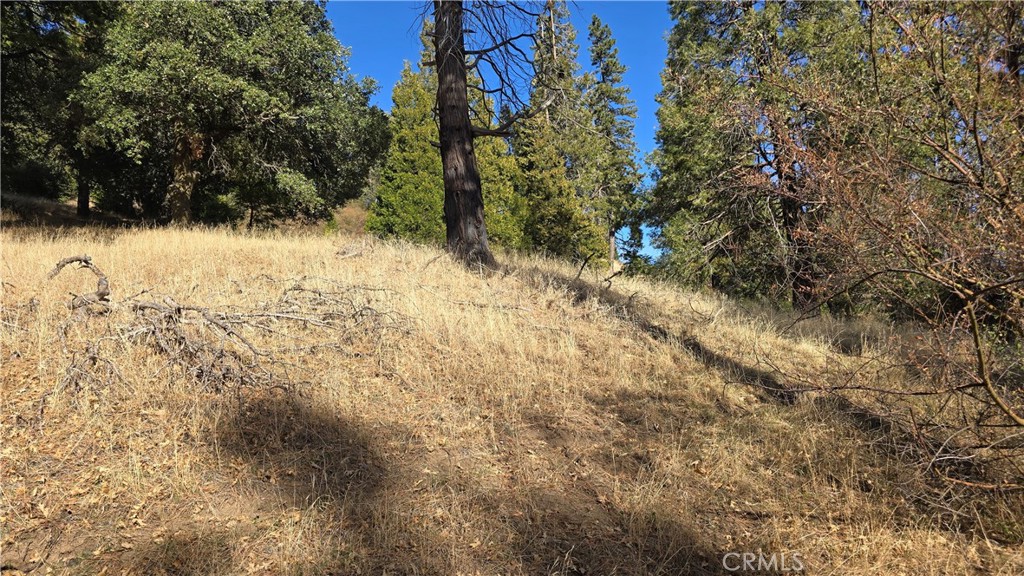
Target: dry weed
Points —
{"points": [[301, 404]]}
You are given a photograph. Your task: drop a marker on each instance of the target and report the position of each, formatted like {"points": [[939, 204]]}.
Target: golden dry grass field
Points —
{"points": [[311, 404]]}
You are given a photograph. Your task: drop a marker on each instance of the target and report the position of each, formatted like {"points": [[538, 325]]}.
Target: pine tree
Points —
{"points": [[505, 209], [614, 116], [558, 149], [557, 222], [410, 198]]}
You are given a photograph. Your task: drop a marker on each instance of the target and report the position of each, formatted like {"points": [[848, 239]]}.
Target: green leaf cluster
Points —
{"points": [[209, 111]]}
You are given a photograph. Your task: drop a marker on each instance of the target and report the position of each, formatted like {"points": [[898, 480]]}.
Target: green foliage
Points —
{"points": [[867, 152], [243, 106], [559, 149], [557, 222], [504, 209], [614, 114], [46, 48], [733, 195], [410, 196]]}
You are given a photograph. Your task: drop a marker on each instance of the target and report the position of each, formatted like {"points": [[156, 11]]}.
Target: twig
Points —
{"points": [[609, 278], [582, 266], [431, 261], [983, 371]]}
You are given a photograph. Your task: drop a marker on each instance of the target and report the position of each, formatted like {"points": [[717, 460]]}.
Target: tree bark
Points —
{"points": [[463, 197], [83, 208], [83, 200], [179, 193]]}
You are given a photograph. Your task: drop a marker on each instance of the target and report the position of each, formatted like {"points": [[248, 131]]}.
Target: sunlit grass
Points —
{"points": [[519, 422]]}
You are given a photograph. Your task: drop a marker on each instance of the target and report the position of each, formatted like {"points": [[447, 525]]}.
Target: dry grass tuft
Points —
{"points": [[301, 404]]}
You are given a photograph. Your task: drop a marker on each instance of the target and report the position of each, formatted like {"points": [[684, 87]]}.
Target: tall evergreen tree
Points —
{"points": [[557, 222], [614, 117], [558, 149], [410, 195], [506, 210]]}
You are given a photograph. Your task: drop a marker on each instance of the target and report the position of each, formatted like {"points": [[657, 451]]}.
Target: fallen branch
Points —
{"points": [[102, 293]]}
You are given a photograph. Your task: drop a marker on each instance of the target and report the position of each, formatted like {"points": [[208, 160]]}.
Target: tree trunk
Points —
{"points": [[179, 193], [613, 252], [84, 210], [83, 200], [463, 197]]}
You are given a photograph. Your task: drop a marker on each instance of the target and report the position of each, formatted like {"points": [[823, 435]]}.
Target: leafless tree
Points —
{"points": [[922, 170], [498, 50]]}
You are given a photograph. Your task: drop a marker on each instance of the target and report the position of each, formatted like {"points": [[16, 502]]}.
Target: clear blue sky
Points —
{"points": [[382, 35]]}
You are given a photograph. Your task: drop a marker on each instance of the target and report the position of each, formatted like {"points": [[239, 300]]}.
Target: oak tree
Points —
{"points": [[234, 106]]}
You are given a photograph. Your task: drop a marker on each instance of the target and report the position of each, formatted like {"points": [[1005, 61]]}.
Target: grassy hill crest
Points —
{"points": [[309, 404]]}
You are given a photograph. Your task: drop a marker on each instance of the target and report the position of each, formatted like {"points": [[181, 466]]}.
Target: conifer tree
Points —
{"points": [[557, 222], [558, 149], [410, 198], [614, 116]]}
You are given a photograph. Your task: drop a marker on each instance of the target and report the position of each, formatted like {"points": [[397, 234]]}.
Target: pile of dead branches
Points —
{"points": [[220, 348]]}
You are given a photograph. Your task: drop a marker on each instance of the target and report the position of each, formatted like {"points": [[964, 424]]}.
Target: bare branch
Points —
{"points": [[102, 286], [500, 45]]}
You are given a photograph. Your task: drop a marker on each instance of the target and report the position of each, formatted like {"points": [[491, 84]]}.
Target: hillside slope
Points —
{"points": [[288, 404]]}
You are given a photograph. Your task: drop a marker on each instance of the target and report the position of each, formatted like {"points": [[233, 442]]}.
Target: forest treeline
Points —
{"points": [[844, 156]]}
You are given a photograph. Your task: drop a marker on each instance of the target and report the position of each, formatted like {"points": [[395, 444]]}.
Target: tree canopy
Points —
{"points": [[190, 110], [251, 102]]}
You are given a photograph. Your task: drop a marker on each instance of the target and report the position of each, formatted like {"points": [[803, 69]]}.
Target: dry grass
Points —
{"points": [[406, 416]]}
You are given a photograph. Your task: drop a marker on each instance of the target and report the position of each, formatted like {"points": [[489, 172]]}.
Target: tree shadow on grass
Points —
{"points": [[301, 454], [626, 308], [301, 457], [577, 514]]}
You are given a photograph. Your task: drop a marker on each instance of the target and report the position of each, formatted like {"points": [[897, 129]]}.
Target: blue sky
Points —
{"points": [[382, 35]]}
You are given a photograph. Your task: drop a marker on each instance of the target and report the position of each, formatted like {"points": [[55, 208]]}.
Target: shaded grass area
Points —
{"points": [[23, 212]]}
